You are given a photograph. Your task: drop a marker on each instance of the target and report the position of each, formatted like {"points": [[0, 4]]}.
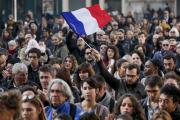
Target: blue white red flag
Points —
{"points": [[86, 21]]}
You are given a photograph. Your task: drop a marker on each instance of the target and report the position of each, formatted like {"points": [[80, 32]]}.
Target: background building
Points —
{"points": [[19, 7]]}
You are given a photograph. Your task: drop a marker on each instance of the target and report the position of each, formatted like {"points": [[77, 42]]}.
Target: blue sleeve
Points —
{"points": [[78, 112]]}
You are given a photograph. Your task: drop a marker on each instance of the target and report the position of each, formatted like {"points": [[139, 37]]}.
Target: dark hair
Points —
{"points": [[63, 117], [47, 68], [55, 61], [169, 56], [142, 46], [85, 67], [91, 82], [133, 66], [138, 112], [64, 74], [100, 81], [153, 81], [120, 62], [172, 75], [116, 52], [141, 56], [35, 50], [89, 116], [10, 101], [140, 33], [155, 62], [171, 91], [28, 88]]}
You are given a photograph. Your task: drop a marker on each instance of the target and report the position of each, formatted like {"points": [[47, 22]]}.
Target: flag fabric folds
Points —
{"points": [[86, 21]]}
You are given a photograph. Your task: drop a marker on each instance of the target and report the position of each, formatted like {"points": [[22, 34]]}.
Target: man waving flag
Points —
{"points": [[86, 21]]}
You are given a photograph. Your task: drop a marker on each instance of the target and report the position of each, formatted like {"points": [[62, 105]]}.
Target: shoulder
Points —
{"points": [[102, 108]]}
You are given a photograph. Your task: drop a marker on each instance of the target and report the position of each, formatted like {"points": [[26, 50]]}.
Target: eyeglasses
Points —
{"points": [[27, 97], [165, 45], [88, 53]]}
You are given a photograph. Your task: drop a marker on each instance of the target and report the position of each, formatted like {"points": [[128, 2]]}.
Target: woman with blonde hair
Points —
{"points": [[161, 115]]}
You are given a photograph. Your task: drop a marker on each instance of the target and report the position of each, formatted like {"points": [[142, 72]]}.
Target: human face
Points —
{"points": [[103, 49], [149, 68], [33, 58], [88, 55], [178, 48], [105, 38], [136, 59], [110, 53], [169, 65], [55, 40], [83, 75], [126, 106], [166, 103], [20, 78], [29, 111], [3, 59], [131, 76], [80, 43], [68, 63], [153, 92], [122, 69], [165, 45], [56, 96], [142, 39], [88, 92], [45, 78]]}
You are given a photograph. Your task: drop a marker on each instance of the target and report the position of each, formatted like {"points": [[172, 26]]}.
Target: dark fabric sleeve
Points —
{"points": [[110, 79]]}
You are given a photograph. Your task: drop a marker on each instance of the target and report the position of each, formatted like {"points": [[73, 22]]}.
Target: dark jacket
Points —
{"points": [[176, 114], [120, 86], [33, 76], [143, 102]]}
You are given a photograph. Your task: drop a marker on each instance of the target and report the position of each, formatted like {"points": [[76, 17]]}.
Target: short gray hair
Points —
{"points": [[66, 90], [19, 67]]}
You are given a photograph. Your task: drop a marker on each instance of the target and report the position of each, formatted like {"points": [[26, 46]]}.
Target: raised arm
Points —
{"points": [[110, 79]]}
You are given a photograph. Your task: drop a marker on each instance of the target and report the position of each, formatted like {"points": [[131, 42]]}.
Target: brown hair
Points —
{"points": [[38, 105], [85, 67], [138, 112], [161, 114]]}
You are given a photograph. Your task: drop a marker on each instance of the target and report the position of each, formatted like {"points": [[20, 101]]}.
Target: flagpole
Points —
{"points": [[87, 44]]}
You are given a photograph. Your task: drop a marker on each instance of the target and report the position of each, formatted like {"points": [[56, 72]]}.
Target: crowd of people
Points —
{"points": [[130, 70]]}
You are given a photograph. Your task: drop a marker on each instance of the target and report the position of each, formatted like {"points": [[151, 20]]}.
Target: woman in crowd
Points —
{"points": [[70, 63], [161, 115], [128, 104], [112, 54], [89, 89], [138, 58], [84, 71], [32, 108]]}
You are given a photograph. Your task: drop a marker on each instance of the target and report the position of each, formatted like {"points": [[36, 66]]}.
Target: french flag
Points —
{"points": [[86, 21]]}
